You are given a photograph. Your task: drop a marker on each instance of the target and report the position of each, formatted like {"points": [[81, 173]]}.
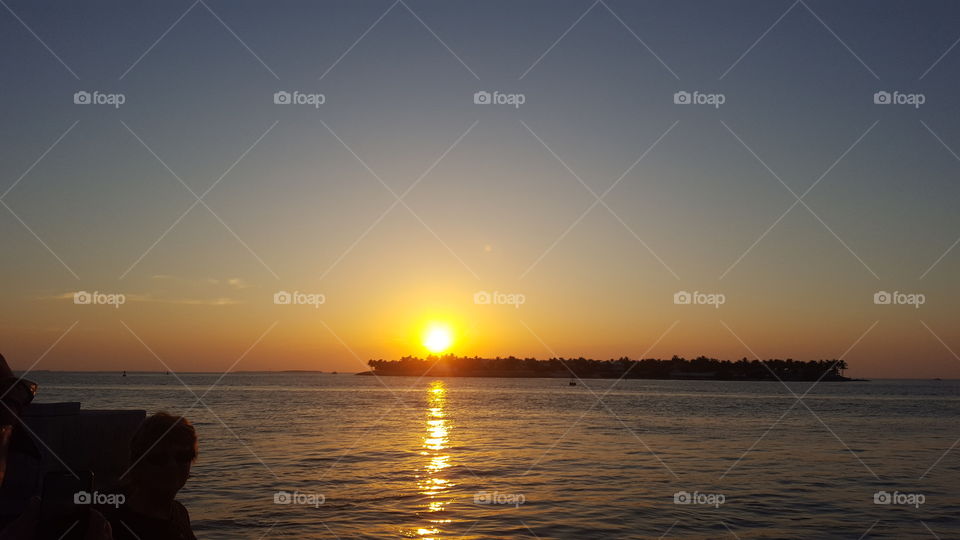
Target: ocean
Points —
{"points": [[309, 455]]}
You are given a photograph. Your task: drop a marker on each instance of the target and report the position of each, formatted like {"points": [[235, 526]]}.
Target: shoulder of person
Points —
{"points": [[181, 519]]}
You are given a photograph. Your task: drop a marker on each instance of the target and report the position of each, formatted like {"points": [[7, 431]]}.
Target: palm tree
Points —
{"points": [[840, 366]]}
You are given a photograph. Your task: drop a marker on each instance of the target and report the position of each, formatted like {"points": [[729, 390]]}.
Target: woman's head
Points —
{"points": [[162, 451]]}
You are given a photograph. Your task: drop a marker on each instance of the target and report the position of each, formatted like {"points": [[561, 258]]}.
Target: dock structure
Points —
{"points": [[64, 436]]}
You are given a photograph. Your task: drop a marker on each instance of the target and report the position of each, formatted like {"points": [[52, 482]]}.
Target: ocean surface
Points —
{"points": [[402, 457]]}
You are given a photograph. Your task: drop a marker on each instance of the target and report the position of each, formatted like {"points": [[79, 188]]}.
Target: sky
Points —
{"points": [[580, 201]]}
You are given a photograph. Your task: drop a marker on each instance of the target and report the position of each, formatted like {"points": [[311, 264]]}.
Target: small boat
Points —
{"points": [[124, 373], [573, 382]]}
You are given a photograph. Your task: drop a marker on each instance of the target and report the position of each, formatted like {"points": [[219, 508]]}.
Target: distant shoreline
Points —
{"points": [[701, 368], [501, 375], [439, 376]]}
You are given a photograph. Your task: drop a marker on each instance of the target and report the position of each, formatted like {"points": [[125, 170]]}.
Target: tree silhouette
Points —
{"points": [[701, 367]]}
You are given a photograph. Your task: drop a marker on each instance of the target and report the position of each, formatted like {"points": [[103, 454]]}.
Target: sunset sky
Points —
{"points": [[501, 198]]}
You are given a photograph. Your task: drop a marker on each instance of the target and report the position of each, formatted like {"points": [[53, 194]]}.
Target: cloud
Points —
{"points": [[179, 290], [233, 282], [201, 302], [238, 283], [149, 298]]}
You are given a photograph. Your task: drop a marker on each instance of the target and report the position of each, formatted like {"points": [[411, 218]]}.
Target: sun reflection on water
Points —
{"points": [[430, 480]]}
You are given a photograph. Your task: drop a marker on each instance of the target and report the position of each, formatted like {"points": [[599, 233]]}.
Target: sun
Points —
{"points": [[438, 338]]}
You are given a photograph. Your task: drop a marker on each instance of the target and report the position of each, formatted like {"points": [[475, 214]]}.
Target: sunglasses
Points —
{"points": [[19, 391]]}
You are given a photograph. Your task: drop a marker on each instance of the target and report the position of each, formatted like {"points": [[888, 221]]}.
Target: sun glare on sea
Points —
{"points": [[438, 338]]}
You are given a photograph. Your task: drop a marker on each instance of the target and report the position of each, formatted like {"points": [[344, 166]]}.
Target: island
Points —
{"points": [[700, 368]]}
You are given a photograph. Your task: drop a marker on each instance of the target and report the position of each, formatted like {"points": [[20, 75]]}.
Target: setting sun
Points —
{"points": [[438, 338]]}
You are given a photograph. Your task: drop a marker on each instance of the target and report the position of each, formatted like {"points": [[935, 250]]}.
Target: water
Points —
{"points": [[402, 457]]}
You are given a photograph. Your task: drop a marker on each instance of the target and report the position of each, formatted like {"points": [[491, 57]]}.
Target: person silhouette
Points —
{"points": [[16, 393], [162, 451]]}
